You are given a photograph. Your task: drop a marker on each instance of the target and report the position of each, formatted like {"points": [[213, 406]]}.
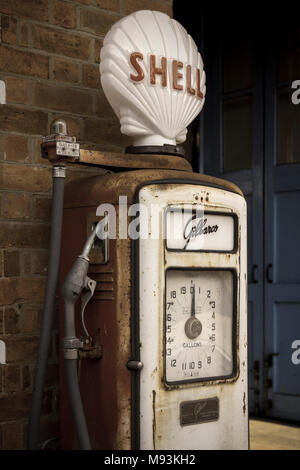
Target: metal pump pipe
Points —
{"points": [[73, 286], [58, 174]]}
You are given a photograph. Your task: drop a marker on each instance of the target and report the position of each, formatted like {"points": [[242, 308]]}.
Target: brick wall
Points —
{"points": [[49, 56]]}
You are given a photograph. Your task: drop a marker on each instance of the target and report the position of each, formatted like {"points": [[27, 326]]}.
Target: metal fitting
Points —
{"points": [[58, 127], [59, 146], [58, 172], [135, 365], [89, 243], [72, 343], [70, 354]]}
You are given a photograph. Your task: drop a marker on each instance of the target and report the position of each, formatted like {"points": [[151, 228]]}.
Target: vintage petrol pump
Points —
{"points": [[161, 340]]}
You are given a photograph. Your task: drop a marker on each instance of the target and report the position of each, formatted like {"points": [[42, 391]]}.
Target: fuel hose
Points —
{"points": [[58, 175], [72, 288]]}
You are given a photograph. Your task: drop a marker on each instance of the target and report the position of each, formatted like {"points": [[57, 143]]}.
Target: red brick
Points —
{"points": [[91, 76], [63, 98], [17, 206], [113, 5], [11, 263], [20, 235], [12, 436], [21, 348], [59, 42], [25, 178], [98, 22], [1, 331], [21, 320], [64, 14], [40, 262], [105, 132], [9, 30], [25, 263], [26, 378], [97, 48], [42, 208], [12, 379], [24, 35], [103, 108], [16, 119], [16, 90], [21, 290], [157, 5], [28, 318], [65, 71], [11, 321], [23, 62], [16, 149], [14, 406], [36, 9]]}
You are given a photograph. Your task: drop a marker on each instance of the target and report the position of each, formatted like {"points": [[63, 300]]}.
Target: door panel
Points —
{"points": [[286, 322], [282, 235], [237, 134], [286, 238]]}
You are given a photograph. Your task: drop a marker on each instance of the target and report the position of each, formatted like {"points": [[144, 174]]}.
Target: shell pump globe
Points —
{"points": [[152, 75]]}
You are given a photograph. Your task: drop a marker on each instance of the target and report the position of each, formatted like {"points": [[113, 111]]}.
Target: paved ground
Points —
{"points": [[267, 435]]}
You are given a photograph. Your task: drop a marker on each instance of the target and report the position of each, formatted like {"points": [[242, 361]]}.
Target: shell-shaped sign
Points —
{"points": [[152, 75]]}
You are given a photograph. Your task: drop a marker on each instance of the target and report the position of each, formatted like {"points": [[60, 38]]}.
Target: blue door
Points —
{"points": [[282, 227], [250, 134]]}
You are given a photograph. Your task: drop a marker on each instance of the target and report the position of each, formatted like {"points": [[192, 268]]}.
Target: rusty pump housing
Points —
{"points": [[109, 381]]}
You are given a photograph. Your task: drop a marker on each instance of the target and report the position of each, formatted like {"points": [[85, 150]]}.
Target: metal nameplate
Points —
{"points": [[67, 149], [199, 411]]}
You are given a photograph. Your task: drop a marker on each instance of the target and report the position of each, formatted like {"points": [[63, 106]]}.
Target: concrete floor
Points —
{"points": [[268, 435]]}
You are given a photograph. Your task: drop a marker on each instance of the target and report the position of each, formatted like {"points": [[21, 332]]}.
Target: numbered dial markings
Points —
{"points": [[198, 325]]}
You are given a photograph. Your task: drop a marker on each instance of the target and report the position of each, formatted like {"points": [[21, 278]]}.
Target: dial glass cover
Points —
{"points": [[199, 322], [190, 230]]}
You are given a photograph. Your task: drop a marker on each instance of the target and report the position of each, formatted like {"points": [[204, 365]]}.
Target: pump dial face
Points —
{"points": [[199, 319]]}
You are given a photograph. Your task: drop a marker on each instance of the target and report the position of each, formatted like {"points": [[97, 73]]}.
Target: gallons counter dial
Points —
{"points": [[199, 325]]}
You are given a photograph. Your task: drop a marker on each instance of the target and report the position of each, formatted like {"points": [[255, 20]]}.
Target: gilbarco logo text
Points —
{"points": [[195, 227]]}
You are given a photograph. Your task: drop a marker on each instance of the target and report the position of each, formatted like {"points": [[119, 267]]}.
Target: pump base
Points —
{"points": [[165, 149]]}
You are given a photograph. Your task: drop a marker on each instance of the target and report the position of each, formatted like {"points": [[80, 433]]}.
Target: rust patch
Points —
{"points": [[112, 185], [153, 418], [244, 403], [133, 161]]}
